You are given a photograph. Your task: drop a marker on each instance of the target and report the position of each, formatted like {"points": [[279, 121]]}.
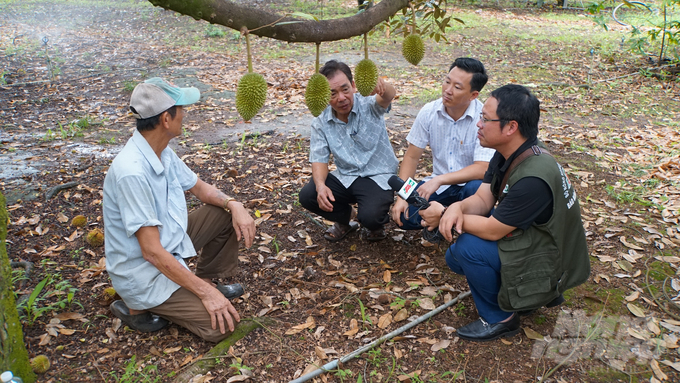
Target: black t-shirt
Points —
{"points": [[528, 201]]}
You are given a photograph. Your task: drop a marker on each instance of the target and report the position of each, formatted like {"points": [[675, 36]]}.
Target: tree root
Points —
{"points": [[208, 361], [59, 188]]}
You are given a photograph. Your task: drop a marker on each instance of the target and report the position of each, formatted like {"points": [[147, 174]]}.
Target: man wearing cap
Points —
{"points": [[149, 232]]}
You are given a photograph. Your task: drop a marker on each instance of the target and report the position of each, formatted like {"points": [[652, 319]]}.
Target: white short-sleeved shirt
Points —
{"points": [[360, 147], [142, 190], [454, 144]]}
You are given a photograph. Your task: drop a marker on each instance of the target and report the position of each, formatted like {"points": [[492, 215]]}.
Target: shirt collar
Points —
{"points": [[355, 107], [526, 145], [147, 152], [471, 110]]}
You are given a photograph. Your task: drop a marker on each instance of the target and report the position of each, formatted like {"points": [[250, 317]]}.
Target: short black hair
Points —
{"points": [[517, 103], [332, 66], [148, 124], [474, 66]]}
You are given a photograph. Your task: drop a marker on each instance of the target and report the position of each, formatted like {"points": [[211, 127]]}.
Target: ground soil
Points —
{"points": [[291, 274]]}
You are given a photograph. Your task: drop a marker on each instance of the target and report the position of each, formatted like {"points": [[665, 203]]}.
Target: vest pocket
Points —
{"points": [[529, 283], [516, 240]]}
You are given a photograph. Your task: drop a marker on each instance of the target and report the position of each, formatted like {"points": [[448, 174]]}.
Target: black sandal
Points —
{"points": [[338, 232]]}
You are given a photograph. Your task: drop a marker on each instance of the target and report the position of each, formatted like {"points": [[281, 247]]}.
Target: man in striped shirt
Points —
{"points": [[448, 126]]}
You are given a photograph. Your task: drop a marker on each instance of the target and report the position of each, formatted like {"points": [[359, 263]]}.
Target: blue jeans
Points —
{"points": [[453, 193], [478, 260]]}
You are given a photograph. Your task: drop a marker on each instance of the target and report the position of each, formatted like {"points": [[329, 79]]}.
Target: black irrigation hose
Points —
{"points": [[28, 266], [655, 298]]}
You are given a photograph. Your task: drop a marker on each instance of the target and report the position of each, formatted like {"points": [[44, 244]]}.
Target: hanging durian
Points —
{"points": [[251, 91], [413, 48], [318, 91], [365, 73]]}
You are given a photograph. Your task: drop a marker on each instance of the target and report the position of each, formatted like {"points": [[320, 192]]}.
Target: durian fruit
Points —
{"points": [[40, 364], [110, 291], [79, 221], [251, 91], [251, 94], [365, 76], [413, 48], [365, 73], [95, 238], [317, 94], [318, 91]]}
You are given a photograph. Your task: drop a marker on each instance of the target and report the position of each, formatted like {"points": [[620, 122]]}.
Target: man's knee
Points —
{"points": [[470, 188], [307, 196], [214, 336], [372, 217]]}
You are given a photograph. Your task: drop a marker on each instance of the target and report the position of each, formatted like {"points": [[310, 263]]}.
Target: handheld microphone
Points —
{"points": [[407, 191]]}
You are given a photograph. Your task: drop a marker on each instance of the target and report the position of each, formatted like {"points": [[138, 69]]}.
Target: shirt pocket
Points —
{"points": [[177, 206]]}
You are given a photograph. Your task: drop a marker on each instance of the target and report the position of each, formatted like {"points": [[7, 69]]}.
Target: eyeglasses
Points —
{"points": [[485, 120]]}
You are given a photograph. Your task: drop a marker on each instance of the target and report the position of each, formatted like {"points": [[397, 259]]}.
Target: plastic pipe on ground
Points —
{"points": [[334, 364]]}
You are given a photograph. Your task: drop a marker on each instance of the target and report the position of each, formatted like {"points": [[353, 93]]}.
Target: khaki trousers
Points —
{"points": [[210, 229]]}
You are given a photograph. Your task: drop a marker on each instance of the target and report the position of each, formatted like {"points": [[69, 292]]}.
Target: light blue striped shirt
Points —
{"points": [[454, 144], [360, 147], [142, 190]]}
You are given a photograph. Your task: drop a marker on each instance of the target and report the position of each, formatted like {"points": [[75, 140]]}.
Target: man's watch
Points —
{"points": [[226, 202]]}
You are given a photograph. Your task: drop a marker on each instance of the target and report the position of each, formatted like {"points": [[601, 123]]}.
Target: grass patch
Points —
{"points": [[595, 298]]}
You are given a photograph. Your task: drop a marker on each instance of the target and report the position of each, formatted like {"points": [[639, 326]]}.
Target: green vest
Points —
{"points": [[540, 263]]}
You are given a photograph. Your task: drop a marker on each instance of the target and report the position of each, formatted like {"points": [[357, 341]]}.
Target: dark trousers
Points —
{"points": [[373, 202]]}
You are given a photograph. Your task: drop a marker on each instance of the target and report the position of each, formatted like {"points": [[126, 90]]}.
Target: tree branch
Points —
{"points": [[236, 16]]}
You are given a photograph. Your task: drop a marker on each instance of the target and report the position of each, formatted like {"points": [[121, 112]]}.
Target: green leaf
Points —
{"points": [[459, 20], [36, 291], [304, 15]]}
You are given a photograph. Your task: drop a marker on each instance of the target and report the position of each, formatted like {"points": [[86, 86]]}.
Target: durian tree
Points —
{"points": [[13, 354], [252, 87], [239, 15]]}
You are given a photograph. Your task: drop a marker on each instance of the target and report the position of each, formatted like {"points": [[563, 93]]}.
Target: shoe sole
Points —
{"points": [[503, 335]]}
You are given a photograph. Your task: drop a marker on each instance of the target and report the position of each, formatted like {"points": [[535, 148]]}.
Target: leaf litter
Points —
{"points": [[635, 163]]}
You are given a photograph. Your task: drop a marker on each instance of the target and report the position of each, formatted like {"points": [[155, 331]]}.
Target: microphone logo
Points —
{"points": [[407, 188]]}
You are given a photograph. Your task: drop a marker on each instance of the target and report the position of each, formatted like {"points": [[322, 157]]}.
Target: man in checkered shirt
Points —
{"points": [[352, 129]]}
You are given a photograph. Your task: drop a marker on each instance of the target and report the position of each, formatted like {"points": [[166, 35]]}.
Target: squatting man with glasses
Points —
{"points": [[521, 242], [149, 232]]}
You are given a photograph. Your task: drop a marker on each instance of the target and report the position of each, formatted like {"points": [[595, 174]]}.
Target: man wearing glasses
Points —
{"points": [[522, 242], [353, 129], [448, 126]]}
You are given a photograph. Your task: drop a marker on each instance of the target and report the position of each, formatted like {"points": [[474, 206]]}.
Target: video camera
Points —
{"points": [[407, 191]]}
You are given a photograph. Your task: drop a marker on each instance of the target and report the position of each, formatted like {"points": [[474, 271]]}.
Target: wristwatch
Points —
{"points": [[226, 202]]}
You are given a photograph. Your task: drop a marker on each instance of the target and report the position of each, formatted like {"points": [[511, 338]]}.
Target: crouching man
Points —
{"points": [[526, 252], [352, 129], [149, 232]]}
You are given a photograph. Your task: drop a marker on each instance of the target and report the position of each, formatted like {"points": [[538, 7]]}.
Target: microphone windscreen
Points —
{"points": [[395, 183]]}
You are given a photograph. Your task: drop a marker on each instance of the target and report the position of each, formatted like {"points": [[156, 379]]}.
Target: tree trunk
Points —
{"points": [[238, 16], [13, 354]]}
